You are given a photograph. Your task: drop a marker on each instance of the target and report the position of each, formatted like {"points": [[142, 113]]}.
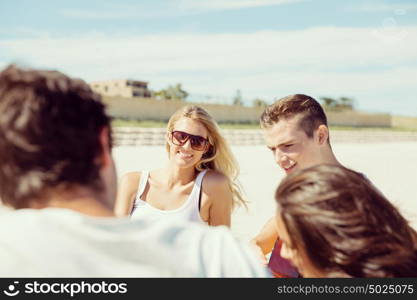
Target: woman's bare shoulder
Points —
{"points": [[130, 178], [215, 176], [213, 181], [128, 185]]}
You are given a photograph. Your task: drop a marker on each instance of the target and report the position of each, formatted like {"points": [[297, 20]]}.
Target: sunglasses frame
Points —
{"points": [[188, 136]]}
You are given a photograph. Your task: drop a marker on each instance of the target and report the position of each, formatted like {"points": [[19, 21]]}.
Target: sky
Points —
{"points": [[267, 49]]}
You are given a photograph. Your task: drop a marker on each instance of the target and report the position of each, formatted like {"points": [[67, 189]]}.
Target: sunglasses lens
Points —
{"points": [[179, 138], [198, 143]]}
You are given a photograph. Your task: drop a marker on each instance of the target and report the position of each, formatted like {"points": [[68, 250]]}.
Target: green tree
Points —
{"points": [[237, 100], [259, 103], [175, 92], [341, 104], [328, 103], [346, 103]]}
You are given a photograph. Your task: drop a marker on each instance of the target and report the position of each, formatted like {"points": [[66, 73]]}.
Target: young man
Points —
{"points": [[296, 132], [58, 175]]}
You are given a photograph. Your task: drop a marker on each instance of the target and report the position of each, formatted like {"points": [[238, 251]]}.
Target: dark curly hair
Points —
{"points": [[49, 133], [345, 225]]}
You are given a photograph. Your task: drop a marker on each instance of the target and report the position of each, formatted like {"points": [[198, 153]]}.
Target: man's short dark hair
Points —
{"points": [[311, 111], [49, 134]]}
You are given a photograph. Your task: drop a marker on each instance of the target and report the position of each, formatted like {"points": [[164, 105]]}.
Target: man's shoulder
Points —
{"points": [[210, 252], [170, 232], [131, 247]]}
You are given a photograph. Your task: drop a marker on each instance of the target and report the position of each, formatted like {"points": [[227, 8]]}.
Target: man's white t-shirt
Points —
{"points": [[56, 242]]}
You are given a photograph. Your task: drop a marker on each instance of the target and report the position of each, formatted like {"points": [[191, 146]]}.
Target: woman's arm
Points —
{"points": [[266, 238], [218, 197], [126, 193]]}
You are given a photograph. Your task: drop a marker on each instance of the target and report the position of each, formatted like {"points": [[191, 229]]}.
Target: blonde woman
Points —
{"points": [[198, 182]]}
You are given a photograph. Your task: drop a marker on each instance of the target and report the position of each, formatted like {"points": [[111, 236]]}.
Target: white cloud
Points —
{"points": [[96, 15], [360, 62], [120, 11], [397, 8], [115, 13], [172, 8], [203, 5]]}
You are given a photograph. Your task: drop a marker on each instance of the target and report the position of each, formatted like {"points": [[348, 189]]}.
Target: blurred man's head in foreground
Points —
{"points": [[55, 138]]}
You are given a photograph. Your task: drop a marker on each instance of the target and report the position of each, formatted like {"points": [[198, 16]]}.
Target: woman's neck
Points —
{"points": [[179, 176]]}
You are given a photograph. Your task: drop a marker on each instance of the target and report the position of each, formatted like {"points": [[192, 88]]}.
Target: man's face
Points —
{"points": [[291, 147]]}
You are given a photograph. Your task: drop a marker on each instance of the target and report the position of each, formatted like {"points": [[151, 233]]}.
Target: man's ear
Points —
{"points": [[322, 134], [105, 156]]}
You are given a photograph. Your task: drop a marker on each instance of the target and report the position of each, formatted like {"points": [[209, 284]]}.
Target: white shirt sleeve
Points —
{"points": [[214, 252]]}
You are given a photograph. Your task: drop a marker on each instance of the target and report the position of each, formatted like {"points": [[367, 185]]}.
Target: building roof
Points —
{"points": [[118, 80]]}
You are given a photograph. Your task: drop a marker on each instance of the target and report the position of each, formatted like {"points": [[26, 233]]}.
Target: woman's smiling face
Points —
{"points": [[185, 156]]}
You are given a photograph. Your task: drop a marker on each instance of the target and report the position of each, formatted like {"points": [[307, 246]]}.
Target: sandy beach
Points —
{"points": [[392, 167]]}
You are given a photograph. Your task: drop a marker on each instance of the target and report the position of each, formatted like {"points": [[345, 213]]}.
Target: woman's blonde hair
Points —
{"points": [[218, 157]]}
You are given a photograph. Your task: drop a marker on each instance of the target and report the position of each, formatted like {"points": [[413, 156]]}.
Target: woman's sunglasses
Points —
{"points": [[197, 142]]}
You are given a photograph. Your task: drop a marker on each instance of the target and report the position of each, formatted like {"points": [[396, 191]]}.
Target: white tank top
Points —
{"points": [[188, 211]]}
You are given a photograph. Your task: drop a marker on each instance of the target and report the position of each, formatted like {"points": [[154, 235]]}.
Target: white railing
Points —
{"points": [[132, 136]]}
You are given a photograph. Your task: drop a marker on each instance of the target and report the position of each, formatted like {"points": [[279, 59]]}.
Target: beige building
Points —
{"points": [[123, 88]]}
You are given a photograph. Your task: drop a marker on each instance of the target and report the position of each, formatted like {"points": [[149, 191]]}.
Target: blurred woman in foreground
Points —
{"points": [[335, 223]]}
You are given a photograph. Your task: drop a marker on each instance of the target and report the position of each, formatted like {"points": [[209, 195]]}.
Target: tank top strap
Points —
{"points": [[195, 194], [142, 184]]}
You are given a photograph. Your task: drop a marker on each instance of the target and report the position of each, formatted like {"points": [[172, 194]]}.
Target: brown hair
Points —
{"points": [[311, 111], [49, 133], [345, 225]]}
